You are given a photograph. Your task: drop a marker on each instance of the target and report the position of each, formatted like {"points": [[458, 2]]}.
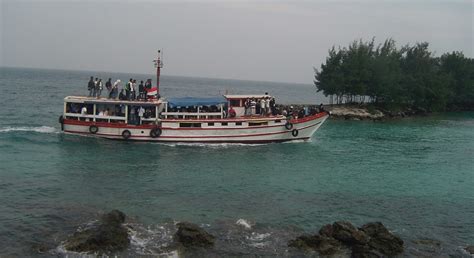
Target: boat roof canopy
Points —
{"points": [[93, 100], [236, 96], [189, 101]]}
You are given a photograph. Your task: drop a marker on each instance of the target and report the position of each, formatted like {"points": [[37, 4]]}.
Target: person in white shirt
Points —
{"points": [[100, 86], [267, 105], [141, 111], [262, 106], [133, 88], [253, 105], [115, 89], [84, 110]]}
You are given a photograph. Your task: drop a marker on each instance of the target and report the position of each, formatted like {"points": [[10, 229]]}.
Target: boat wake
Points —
{"points": [[211, 145], [37, 129]]}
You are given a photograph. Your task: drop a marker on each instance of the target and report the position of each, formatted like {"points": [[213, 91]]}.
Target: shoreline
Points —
{"points": [[357, 112]]}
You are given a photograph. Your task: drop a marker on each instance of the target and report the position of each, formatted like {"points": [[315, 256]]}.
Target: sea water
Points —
{"points": [[415, 175]]}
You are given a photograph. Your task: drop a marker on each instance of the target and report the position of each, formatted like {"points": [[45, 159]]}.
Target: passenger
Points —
{"points": [[133, 89], [253, 105], [267, 106], [122, 95], [84, 110], [114, 91], [90, 86], [148, 84], [284, 112], [247, 106], [107, 112], [301, 113], [262, 106], [128, 87], [232, 112], [272, 106], [321, 107], [141, 91], [101, 113], [108, 86], [95, 87], [141, 111], [99, 86]]}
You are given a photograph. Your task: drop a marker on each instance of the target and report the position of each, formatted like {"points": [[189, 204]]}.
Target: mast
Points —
{"points": [[158, 64]]}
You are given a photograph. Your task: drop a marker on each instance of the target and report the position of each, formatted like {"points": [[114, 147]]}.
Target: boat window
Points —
{"points": [[235, 103], [73, 107], [210, 124], [189, 124], [238, 123], [257, 123], [224, 124], [277, 121]]}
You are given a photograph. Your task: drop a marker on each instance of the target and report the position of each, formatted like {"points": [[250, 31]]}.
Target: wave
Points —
{"points": [[37, 129], [244, 223], [211, 145]]}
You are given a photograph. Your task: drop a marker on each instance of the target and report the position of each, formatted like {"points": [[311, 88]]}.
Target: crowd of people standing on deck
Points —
{"points": [[131, 91], [263, 106]]}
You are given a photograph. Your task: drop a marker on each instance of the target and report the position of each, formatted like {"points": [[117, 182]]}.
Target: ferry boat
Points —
{"points": [[192, 120]]}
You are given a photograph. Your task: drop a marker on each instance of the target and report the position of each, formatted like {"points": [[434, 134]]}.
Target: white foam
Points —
{"points": [[150, 240], [37, 129], [258, 237], [243, 223], [210, 145]]}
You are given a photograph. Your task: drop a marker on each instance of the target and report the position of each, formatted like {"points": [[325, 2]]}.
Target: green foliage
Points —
{"points": [[409, 77]]}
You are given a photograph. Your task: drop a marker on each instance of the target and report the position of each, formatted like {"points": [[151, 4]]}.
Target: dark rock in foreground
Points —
{"points": [[371, 240], [191, 235], [107, 235], [470, 249], [348, 234], [322, 244], [382, 240]]}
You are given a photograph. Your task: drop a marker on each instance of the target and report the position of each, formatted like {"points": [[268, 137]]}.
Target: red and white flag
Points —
{"points": [[152, 92]]}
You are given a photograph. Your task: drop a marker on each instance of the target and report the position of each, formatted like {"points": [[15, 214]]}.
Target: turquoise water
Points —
{"points": [[415, 175]]}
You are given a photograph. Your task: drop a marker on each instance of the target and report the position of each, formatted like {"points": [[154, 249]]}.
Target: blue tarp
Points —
{"points": [[189, 101]]}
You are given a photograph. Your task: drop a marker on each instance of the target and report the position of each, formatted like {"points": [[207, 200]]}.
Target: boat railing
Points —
{"points": [[96, 117], [192, 115]]}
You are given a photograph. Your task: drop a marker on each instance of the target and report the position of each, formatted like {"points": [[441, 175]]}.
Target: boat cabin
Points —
{"points": [[112, 111], [187, 111], [237, 102]]}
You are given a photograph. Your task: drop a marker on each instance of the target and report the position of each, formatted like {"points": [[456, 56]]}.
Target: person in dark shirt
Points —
{"points": [[148, 84], [91, 86], [108, 86], [128, 87], [122, 95], [141, 91]]}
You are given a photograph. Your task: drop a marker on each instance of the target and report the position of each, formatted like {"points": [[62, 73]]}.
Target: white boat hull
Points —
{"points": [[274, 131]]}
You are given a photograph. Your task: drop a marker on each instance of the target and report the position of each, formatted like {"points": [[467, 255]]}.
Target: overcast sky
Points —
{"points": [[251, 40]]}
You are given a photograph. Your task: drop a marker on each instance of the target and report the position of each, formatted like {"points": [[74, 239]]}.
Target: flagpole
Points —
{"points": [[158, 64]]}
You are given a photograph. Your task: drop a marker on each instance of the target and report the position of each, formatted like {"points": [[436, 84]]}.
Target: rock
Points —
{"points": [[382, 240], [322, 244], [191, 235], [470, 249], [348, 234], [304, 242], [364, 251], [107, 235], [326, 230]]}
